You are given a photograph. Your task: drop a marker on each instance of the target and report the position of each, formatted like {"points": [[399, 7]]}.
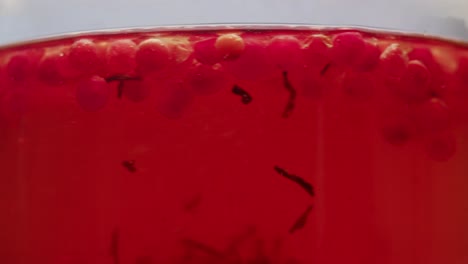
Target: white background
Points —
{"points": [[26, 19]]}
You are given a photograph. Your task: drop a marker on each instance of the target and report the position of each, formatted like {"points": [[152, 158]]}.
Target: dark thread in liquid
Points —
{"points": [[304, 184], [246, 97], [292, 96], [120, 89], [325, 69], [301, 221], [121, 78], [114, 246], [193, 244], [129, 165]]}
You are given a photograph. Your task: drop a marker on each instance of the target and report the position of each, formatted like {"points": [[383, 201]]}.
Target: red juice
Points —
{"points": [[234, 145]]}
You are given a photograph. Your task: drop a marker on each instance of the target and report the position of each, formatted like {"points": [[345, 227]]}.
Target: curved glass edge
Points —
{"points": [[234, 26]]}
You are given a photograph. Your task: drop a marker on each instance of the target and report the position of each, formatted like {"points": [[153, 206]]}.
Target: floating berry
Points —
{"points": [[253, 64], [309, 83], [358, 85], [438, 77], [229, 46], [398, 130], [393, 62], [462, 70], [284, 52], [181, 51], [21, 64], [347, 48], [316, 52], [415, 82], [152, 55], [15, 102], [205, 80], [84, 56], [136, 90], [369, 59], [55, 69], [173, 99], [425, 56], [93, 93], [432, 115], [205, 51], [121, 56], [441, 147]]}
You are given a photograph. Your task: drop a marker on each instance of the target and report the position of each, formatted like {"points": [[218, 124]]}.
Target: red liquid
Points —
{"points": [[298, 146]]}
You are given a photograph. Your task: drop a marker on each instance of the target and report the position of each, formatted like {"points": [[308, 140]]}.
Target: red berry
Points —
{"points": [[432, 115], [15, 102], [347, 48], [398, 130], [121, 56], [181, 51], [205, 80], [54, 69], [308, 82], [229, 46], [136, 90], [205, 51], [152, 55], [441, 147], [438, 77], [84, 56], [22, 64], [370, 58], [393, 62], [415, 82], [253, 64], [93, 93], [173, 99], [316, 52], [462, 71], [358, 85], [2, 81], [284, 52], [425, 56]]}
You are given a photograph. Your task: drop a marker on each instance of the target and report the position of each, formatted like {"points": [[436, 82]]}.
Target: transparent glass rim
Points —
{"points": [[232, 27]]}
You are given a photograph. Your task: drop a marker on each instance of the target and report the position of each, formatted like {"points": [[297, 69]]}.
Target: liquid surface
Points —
{"points": [[234, 146]]}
